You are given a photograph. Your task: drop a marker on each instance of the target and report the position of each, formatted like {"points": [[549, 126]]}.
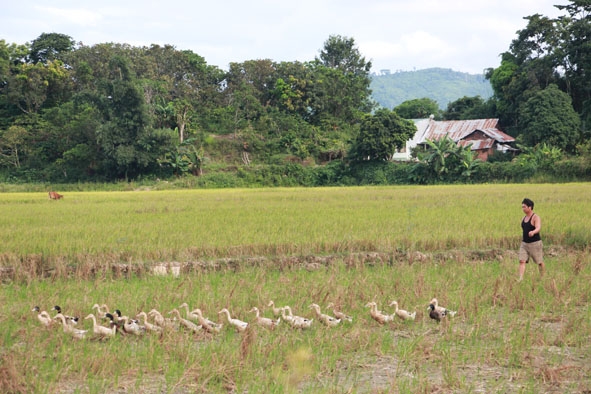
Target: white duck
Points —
{"points": [[295, 321], [190, 315], [101, 331], [71, 320], [338, 314], [199, 314], [149, 326], [276, 311], [208, 325], [240, 325], [120, 318], [68, 329], [161, 321], [401, 313], [378, 315], [264, 321], [101, 310], [324, 318], [43, 317], [158, 318], [132, 326], [184, 322], [440, 309]]}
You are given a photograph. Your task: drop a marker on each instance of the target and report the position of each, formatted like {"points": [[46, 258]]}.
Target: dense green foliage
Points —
{"points": [[548, 117], [470, 108], [73, 113], [546, 52], [112, 111], [381, 134], [418, 109]]}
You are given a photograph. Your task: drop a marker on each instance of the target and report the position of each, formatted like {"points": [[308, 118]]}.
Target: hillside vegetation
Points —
{"points": [[112, 112], [439, 84]]}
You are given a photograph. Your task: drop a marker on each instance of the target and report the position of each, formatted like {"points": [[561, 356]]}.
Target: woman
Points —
{"points": [[531, 243]]}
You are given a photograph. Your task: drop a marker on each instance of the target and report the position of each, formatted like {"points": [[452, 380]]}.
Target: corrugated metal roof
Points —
{"points": [[459, 129], [478, 144], [498, 135]]}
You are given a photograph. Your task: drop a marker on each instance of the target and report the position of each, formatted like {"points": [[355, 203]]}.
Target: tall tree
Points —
{"points": [[293, 88], [528, 66], [12, 145], [248, 91], [548, 117], [547, 51], [341, 84], [27, 88], [50, 46], [127, 136], [381, 134], [575, 52], [12, 59], [341, 53]]}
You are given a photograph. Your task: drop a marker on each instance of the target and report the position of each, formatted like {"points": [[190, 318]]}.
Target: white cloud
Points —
{"points": [[81, 17], [466, 35], [421, 43], [380, 49]]}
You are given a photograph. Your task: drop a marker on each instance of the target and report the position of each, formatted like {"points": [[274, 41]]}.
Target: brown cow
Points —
{"points": [[55, 196]]}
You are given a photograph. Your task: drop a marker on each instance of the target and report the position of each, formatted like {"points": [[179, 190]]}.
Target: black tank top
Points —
{"points": [[527, 227]]}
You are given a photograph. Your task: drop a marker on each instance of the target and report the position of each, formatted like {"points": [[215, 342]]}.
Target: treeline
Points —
{"points": [[113, 111], [73, 113]]}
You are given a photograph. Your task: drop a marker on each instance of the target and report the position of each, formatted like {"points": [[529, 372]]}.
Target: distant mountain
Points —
{"points": [[439, 84]]}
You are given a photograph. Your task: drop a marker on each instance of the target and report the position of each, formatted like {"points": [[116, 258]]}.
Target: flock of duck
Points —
{"points": [[194, 321]]}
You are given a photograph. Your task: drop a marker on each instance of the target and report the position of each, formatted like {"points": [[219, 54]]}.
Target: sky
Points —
{"points": [[462, 35]]}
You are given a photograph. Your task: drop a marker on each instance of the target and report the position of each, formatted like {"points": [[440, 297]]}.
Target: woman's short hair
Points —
{"points": [[528, 202]]}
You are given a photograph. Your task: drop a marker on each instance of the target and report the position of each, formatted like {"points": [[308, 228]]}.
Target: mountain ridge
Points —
{"points": [[439, 84]]}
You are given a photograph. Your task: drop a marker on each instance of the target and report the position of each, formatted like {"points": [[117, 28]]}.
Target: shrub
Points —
{"points": [[572, 169]]}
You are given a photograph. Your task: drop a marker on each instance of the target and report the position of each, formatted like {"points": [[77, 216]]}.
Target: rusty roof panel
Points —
{"points": [[498, 135], [478, 144], [459, 129]]}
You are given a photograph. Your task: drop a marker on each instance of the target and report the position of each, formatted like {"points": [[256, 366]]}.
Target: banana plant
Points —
{"points": [[185, 158], [438, 152]]}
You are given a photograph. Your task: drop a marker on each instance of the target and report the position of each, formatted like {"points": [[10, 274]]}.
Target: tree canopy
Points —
{"points": [[546, 52], [381, 134], [418, 109], [70, 112], [548, 117]]}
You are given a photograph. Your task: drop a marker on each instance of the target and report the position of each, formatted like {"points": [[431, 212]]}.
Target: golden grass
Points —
{"points": [[347, 246], [188, 225], [532, 334]]}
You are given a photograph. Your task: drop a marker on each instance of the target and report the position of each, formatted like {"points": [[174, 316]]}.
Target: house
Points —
{"points": [[483, 134]]}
